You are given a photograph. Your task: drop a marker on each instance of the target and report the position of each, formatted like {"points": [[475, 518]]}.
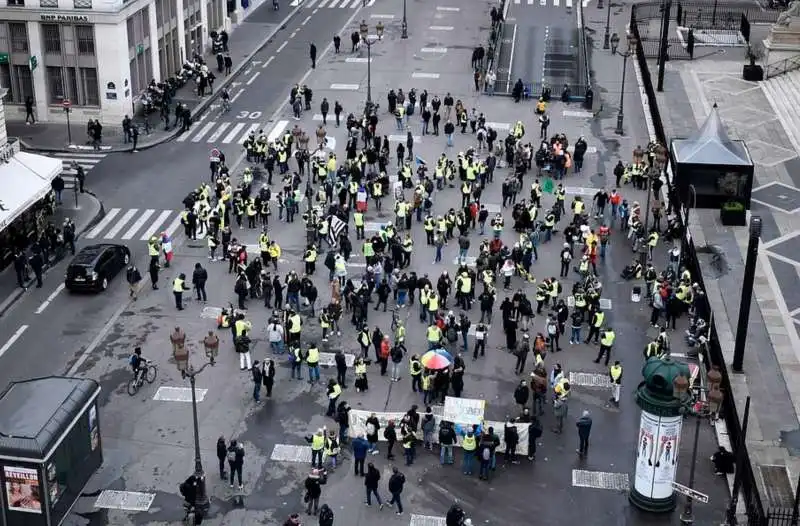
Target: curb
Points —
{"points": [[15, 296], [197, 111]]}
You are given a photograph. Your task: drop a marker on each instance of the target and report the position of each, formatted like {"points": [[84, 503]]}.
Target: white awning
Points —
{"points": [[24, 180]]}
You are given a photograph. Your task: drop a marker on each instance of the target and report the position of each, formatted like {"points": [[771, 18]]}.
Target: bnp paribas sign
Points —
{"points": [[65, 18]]}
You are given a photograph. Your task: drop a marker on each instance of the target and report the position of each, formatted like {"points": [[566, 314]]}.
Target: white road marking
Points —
{"points": [[277, 131], [569, 3], [203, 131], [233, 133], [424, 75], [280, 48], [353, 4], [291, 453], [600, 480], [294, 34], [450, 9], [138, 224], [14, 337], [356, 60], [402, 138], [268, 62], [50, 299], [344, 87], [577, 114], [214, 137], [441, 28], [155, 225], [173, 226], [179, 394], [121, 223], [383, 17], [103, 223], [304, 22], [252, 129], [433, 50], [427, 520], [233, 99], [253, 78]]}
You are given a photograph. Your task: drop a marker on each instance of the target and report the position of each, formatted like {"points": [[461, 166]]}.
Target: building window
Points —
{"points": [[85, 37], [89, 87], [83, 4], [23, 83], [52, 38], [5, 81], [160, 5], [55, 84], [48, 3], [19, 37], [16, 3]]}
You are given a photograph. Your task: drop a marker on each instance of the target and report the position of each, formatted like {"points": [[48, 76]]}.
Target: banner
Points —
{"points": [[23, 492], [358, 426], [464, 410]]}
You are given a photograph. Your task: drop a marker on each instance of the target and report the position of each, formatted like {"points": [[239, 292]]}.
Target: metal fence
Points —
{"points": [[704, 11], [746, 480]]}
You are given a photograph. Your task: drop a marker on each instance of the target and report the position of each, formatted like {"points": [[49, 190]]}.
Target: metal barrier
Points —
{"points": [[584, 71], [781, 67]]}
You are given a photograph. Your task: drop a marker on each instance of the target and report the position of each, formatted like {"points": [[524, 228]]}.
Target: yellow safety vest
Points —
{"points": [[361, 368], [469, 443], [241, 326], [313, 356], [466, 285], [317, 443], [152, 249], [416, 368], [608, 338], [296, 324], [358, 217], [433, 302], [599, 318], [434, 334], [616, 373], [177, 285], [336, 392]]}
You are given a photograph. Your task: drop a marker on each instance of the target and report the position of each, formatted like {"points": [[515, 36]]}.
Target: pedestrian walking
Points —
{"points": [[396, 483], [29, 110], [337, 43], [360, 449], [371, 482], [133, 277], [236, 462], [313, 491], [325, 515], [178, 288], [222, 454], [199, 278], [37, 264], [269, 376], [584, 425], [211, 346], [135, 137], [258, 377], [312, 54]]}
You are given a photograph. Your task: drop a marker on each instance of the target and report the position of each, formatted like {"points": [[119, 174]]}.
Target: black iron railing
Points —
{"points": [[781, 67]]}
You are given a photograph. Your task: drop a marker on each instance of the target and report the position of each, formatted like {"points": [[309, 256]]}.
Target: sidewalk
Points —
{"points": [[88, 211], [245, 41]]}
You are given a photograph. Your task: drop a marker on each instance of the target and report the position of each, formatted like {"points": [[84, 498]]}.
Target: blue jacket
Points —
{"points": [[360, 448]]}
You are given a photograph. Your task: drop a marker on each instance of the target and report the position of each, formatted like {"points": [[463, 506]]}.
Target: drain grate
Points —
{"points": [[778, 486]]}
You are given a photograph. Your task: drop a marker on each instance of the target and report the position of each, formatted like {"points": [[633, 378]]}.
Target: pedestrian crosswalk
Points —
{"points": [[216, 132], [336, 4], [70, 163], [552, 3], [134, 223]]}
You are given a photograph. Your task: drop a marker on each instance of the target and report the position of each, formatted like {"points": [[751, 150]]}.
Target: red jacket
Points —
{"points": [[385, 350]]}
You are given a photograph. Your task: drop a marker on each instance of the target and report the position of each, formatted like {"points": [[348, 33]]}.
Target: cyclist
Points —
{"points": [[138, 362], [226, 99], [275, 5]]}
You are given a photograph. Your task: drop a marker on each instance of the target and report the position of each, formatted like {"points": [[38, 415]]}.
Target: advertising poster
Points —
{"points": [[657, 455], [52, 483], [94, 432], [22, 489]]}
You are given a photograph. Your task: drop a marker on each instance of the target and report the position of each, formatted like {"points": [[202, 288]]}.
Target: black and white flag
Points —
{"points": [[335, 230]]}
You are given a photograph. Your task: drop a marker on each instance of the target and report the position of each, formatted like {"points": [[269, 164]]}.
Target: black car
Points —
{"points": [[94, 266]]}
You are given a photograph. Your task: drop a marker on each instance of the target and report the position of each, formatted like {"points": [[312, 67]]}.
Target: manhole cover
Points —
{"points": [[125, 500]]}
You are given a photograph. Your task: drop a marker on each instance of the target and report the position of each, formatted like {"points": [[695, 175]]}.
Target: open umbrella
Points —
{"points": [[436, 359]]}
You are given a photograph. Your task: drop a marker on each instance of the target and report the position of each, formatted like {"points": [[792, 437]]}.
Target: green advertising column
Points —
{"points": [[662, 397]]}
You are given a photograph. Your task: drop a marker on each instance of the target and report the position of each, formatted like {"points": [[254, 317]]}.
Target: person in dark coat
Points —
{"points": [[37, 264], [222, 453], [268, 376], [313, 491], [371, 480], [584, 425], [522, 394]]}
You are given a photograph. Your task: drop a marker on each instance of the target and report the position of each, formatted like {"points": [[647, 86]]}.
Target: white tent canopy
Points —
{"points": [[24, 180]]}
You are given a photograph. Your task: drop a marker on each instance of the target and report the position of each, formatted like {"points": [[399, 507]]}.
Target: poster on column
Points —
{"points": [[657, 455]]}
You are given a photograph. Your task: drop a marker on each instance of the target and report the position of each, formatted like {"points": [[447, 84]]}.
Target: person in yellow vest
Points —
{"points": [[433, 306], [469, 444], [364, 340], [178, 288], [332, 448], [274, 253], [415, 369], [295, 326], [606, 343], [652, 241], [310, 259], [424, 294], [615, 376], [434, 335], [313, 363], [317, 447], [358, 219], [595, 324], [263, 248], [377, 194], [360, 370], [369, 251], [334, 391], [154, 249], [252, 213], [652, 350]]}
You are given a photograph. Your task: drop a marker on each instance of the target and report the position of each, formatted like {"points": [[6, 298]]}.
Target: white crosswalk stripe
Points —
{"points": [[565, 4], [71, 161], [337, 4], [215, 132], [134, 223]]}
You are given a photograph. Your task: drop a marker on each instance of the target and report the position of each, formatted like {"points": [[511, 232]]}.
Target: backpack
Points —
{"points": [[486, 454], [231, 455], [452, 335]]}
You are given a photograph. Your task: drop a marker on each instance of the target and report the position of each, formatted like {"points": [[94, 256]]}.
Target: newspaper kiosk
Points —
{"points": [[49, 448]]}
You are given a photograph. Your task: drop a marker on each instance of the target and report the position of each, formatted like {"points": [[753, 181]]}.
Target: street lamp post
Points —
{"points": [[404, 26], [369, 76], [687, 517], [202, 502], [630, 51], [608, 26]]}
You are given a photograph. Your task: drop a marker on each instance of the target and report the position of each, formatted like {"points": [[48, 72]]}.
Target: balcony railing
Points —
{"points": [[781, 67]]}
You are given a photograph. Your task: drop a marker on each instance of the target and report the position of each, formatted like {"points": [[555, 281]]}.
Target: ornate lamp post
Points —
{"points": [[202, 502], [608, 24], [627, 53], [404, 26]]}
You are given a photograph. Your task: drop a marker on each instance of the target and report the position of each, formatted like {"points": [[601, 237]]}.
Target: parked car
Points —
{"points": [[94, 266]]}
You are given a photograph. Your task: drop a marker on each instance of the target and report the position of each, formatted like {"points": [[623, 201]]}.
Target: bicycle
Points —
{"points": [[397, 320], [148, 372], [226, 105]]}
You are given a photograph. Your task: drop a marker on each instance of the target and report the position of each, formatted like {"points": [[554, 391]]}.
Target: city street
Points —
{"points": [[147, 439]]}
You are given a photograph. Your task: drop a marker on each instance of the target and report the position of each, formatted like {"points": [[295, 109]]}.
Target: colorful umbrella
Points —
{"points": [[436, 359]]}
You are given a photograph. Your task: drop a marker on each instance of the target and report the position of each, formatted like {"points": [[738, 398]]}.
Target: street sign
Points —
{"points": [[3, 58], [66, 104], [213, 155], [139, 49], [689, 492], [33, 62]]}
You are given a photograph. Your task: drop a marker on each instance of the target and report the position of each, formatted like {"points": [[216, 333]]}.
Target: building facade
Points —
{"points": [[100, 55]]}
